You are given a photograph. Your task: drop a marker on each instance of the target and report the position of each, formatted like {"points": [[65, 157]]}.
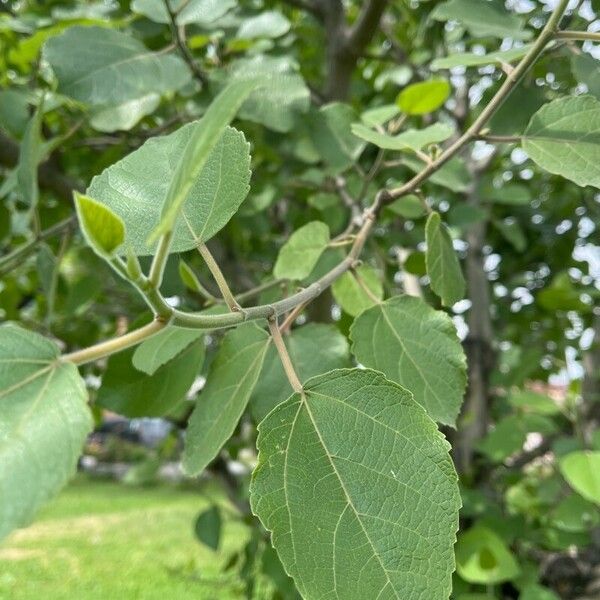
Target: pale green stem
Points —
{"points": [[364, 287], [286, 361], [218, 276], [108, 347], [159, 261], [592, 36]]}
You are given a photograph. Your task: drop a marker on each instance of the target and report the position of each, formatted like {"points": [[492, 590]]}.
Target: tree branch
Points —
{"points": [[7, 262], [361, 33], [547, 33], [49, 177], [178, 34]]}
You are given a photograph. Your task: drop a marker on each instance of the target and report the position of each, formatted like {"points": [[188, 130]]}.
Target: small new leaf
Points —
{"points": [[102, 228], [423, 97]]}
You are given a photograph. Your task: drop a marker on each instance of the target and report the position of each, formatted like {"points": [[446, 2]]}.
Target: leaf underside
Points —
{"points": [[356, 485]]}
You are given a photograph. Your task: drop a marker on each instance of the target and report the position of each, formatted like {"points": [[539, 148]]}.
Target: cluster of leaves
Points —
{"points": [[368, 201]]}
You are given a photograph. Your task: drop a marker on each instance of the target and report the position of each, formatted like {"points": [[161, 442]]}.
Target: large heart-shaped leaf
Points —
{"points": [[356, 485], [416, 346], [135, 188], [44, 420]]}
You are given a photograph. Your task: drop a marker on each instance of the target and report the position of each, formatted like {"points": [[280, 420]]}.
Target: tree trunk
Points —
{"points": [[473, 421]]}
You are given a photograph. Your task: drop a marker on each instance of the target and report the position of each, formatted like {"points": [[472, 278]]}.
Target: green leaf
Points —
{"points": [[512, 194], [582, 472], [469, 59], [330, 132], [575, 514], [443, 268], [189, 278], [482, 557], [132, 393], [46, 268], [299, 255], [375, 117], [529, 401], [314, 348], [466, 215], [537, 592], [482, 18], [208, 527], [350, 294], [411, 139], [453, 175], [282, 97], [230, 381], [267, 24], [561, 294], [125, 116], [511, 231], [510, 433], [30, 155], [423, 97], [198, 12], [113, 69], [44, 421], [409, 207], [14, 111], [585, 70], [416, 346], [330, 459], [163, 347], [201, 143], [563, 137], [102, 228], [135, 188]]}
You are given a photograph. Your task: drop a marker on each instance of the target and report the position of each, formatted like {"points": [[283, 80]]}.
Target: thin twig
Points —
{"points": [[12, 260], [218, 276], [178, 34], [364, 287], [286, 361], [294, 314], [547, 33], [592, 36]]}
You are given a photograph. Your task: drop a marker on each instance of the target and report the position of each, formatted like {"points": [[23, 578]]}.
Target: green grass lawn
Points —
{"points": [[108, 541]]}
